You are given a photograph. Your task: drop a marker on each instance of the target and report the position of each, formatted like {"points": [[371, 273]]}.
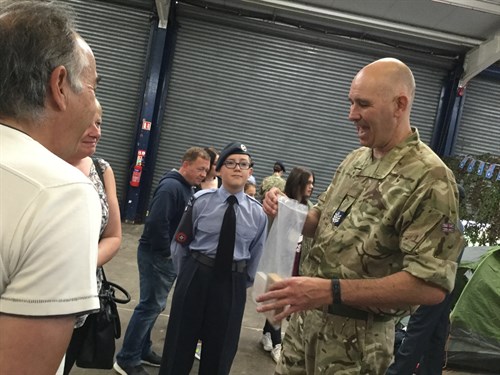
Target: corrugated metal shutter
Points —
{"points": [[285, 99], [479, 130], [119, 37]]}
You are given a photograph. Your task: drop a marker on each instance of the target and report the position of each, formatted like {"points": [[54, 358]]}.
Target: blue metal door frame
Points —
{"points": [[450, 110], [150, 118]]}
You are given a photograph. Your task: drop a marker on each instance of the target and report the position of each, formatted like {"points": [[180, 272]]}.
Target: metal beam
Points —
{"points": [[358, 20], [163, 9], [479, 5], [480, 58]]}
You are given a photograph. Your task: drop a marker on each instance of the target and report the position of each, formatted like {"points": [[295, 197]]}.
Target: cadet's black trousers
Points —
{"points": [[205, 308]]}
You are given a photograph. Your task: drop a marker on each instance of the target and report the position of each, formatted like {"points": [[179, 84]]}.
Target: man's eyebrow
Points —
{"points": [[98, 79]]}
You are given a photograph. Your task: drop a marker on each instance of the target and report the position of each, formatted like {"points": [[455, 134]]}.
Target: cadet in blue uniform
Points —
{"points": [[208, 304]]}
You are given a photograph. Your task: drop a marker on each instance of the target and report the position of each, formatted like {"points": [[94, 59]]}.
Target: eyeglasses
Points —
{"points": [[231, 164]]}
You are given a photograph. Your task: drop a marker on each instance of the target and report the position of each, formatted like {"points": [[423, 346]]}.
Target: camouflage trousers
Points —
{"points": [[318, 343]]}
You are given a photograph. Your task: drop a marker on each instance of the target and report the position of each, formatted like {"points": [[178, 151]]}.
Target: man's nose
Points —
{"points": [[353, 113]]}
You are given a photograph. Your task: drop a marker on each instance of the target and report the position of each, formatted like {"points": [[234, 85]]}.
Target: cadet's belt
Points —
{"points": [[239, 266], [351, 312]]}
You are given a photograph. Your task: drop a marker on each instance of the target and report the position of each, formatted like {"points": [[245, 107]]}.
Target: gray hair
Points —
{"points": [[35, 38]]}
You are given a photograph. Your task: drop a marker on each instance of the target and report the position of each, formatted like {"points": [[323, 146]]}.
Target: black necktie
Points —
{"points": [[225, 249]]}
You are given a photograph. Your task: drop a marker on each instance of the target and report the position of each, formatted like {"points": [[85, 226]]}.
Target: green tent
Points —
{"points": [[475, 320]]}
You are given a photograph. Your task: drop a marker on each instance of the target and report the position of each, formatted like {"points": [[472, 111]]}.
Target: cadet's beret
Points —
{"points": [[280, 163], [230, 149]]}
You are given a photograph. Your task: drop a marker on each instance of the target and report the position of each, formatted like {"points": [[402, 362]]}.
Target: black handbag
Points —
{"points": [[102, 328]]}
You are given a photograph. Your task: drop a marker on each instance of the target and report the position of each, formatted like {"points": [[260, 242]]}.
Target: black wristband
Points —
{"points": [[337, 299]]}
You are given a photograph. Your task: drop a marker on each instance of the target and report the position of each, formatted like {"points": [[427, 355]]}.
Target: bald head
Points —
{"points": [[381, 97], [391, 77]]}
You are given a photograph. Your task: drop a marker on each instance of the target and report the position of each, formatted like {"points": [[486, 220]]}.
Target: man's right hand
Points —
{"points": [[270, 202]]}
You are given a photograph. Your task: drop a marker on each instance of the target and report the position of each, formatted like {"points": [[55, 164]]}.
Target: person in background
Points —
{"points": [[49, 212], [275, 180], [299, 186], [212, 181], [111, 229], [216, 258], [250, 189], [385, 238], [252, 180], [423, 349], [156, 270]]}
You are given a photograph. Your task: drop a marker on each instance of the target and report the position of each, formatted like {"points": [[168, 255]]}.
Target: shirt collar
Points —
{"points": [[223, 193], [382, 167]]}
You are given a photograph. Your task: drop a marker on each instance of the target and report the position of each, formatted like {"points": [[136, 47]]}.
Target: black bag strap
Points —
{"points": [[113, 286], [99, 170]]}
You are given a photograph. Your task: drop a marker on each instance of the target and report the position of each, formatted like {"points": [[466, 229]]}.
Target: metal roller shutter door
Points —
{"points": [[119, 37], [479, 130], [285, 99]]}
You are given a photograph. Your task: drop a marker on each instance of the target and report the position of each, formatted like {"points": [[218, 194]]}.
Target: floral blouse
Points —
{"points": [[99, 186]]}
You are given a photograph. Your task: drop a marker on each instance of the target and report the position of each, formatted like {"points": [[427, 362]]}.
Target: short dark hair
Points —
{"points": [[194, 153], [297, 181], [37, 37]]}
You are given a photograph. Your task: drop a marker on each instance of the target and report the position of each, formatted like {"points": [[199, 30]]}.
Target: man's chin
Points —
{"points": [[364, 142]]}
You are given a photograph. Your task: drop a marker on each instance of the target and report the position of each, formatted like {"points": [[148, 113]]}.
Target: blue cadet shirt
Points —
{"points": [[200, 226]]}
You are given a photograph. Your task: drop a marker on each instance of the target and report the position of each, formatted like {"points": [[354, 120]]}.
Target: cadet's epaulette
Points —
{"points": [[202, 193], [255, 200]]}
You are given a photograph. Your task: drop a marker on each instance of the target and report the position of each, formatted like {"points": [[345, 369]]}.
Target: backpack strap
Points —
{"points": [[98, 169]]}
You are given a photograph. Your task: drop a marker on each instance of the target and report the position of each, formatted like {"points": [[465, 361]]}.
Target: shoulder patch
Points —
{"points": [[448, 227], [181, 237]]}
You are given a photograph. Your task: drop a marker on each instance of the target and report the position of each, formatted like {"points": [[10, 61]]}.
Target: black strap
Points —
{"points": [[99, 170], [111, 287]]}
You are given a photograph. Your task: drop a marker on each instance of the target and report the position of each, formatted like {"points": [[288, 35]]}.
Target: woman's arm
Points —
{"points": [[112, 236]]}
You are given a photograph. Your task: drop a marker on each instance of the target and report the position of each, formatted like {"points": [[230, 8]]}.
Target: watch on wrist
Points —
{"points": [[337, 298]]}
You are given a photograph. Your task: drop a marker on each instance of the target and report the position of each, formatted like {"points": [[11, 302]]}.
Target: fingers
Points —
{"points": [[270, 209], [270, 202], [286, 312]]}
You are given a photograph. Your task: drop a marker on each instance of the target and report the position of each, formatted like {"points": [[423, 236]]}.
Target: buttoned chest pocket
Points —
{"points": [[210, 226], [246, 233]]}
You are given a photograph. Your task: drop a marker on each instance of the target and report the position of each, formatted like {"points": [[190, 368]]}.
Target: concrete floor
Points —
{"points": [[251, 359]]}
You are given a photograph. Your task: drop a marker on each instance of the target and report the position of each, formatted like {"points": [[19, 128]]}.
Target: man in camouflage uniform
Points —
{"points": [[275, 180], [385, 238]]}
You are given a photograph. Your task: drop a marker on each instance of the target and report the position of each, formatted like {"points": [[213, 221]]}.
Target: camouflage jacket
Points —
{"points": [[379, 217]]}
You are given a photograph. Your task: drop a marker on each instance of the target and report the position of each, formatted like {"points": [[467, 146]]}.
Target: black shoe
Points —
{"points": [[130, 370], [152, 359]]}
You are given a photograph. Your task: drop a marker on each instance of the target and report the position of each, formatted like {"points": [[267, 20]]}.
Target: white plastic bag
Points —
{"points": [[281, 244], [280, 249]]}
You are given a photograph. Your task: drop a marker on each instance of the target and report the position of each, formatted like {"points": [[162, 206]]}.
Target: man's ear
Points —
{"points": [[59, 86], [402, 102]]}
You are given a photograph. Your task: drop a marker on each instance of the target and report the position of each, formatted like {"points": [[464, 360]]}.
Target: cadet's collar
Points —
{"points": [[223, 193]]}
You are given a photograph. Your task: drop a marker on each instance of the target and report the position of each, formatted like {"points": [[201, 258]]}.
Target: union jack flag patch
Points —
{"points": [[448, 228]]}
